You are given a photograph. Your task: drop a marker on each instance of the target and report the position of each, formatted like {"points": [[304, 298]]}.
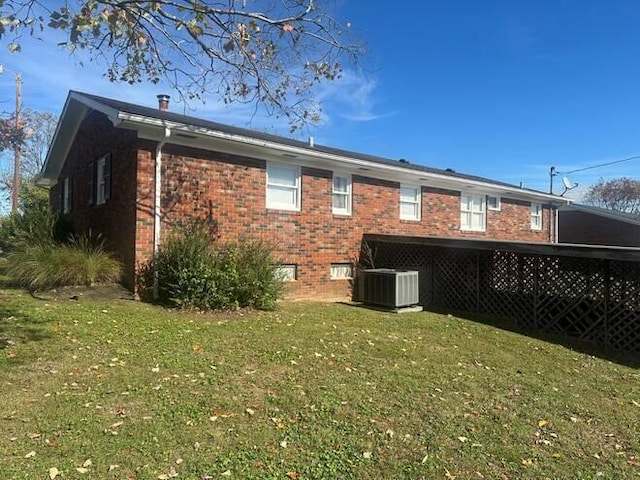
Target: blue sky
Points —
{"points": [[500, 89]]}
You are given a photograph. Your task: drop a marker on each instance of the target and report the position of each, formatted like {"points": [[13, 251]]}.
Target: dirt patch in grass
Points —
{"points": [[103, 292]]}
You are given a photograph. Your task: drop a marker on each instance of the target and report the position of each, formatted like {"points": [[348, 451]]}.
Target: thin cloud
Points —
{"points": [[353, 96]]}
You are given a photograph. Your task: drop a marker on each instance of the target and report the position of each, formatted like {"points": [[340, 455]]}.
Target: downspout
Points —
{"points": [[157, 213]]}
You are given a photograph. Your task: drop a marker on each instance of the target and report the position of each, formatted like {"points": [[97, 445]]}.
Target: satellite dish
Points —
{"points": [[567, 185]]}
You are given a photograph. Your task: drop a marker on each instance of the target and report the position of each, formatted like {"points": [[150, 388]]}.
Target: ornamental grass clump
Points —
{"points": [[44, 265], [195, 272]]}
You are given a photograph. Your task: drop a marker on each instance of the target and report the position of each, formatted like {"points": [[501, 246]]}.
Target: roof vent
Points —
{"points": [[402, 160], [163, 102], [312, 142]]}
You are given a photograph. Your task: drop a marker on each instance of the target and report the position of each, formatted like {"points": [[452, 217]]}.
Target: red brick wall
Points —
{"points": [[115, 218], [230, 191]]}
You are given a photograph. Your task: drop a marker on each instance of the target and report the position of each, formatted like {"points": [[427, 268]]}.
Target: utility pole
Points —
{"points": [[16, 149]]}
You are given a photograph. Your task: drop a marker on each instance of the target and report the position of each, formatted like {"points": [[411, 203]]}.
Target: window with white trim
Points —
{"points": [[102, 180], [66, 196], [494, 203], [473, 216], [341, 194], [536, 216], [287, 273], [409, 202], [283, 187], [341, 271]]}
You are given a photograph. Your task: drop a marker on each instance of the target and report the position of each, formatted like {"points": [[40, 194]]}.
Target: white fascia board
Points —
{"points": [[301, 156]]}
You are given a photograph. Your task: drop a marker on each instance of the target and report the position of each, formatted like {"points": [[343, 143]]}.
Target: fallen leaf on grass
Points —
{"points": [[82, 469], [250, 411], [292, 475], [542, 423], [53, 472], [87, 463], [367, 455], [226, 473], [527, 462], [166, 476], [463, 439], [113, 467], [30, 454]]}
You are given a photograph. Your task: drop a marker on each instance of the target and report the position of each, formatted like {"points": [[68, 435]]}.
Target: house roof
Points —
{"points": [[153, 123], [602, 212]]}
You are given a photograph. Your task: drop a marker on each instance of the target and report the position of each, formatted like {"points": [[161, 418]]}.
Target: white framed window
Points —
{"points": [[283, 187], [341, 271], [287, 273], [536, 216], [409, 202], [66, 195], [341, 194], [494, 203], [103, 180], [473, 216]]}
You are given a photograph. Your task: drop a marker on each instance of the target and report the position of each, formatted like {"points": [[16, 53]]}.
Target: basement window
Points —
{"points": [[287, 273], [341, 271]]}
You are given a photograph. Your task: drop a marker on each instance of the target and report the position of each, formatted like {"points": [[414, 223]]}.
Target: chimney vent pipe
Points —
{"points": [[163, 102]]}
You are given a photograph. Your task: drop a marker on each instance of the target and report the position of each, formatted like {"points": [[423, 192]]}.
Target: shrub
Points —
{"points": [[195, 272], [44, 265]]}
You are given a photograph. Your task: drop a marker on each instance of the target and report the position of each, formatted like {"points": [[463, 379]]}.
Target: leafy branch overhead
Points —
{"points": [[268, 53]]}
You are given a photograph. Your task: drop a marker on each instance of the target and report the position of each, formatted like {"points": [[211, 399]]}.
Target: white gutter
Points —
{"points": [[311, 153], [157, 213]]}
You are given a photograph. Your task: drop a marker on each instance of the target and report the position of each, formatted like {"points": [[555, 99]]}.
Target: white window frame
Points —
{"points": [[498, 205], [341, 271], [275, 205], [467, 214], [101, 181], [536, 216], [66, 197], [287, 272], [347, 195], [415, 202]]}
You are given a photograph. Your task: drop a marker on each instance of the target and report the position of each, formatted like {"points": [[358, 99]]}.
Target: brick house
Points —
{"points": [[132, 172]]}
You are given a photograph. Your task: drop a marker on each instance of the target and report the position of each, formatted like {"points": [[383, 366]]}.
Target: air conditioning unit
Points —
{"points": [[390, 288]]}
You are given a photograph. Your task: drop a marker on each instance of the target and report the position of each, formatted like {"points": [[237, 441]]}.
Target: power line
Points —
{"points": [[601, 165]]}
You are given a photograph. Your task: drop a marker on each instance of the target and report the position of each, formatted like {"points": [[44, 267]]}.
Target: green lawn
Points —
{"points": [[310, 391]]}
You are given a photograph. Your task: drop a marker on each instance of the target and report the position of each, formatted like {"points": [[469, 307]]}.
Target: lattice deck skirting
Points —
{"points": [[588, 293]]}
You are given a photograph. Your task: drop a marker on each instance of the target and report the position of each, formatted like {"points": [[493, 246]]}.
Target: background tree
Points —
{"points": [[269, 53], [37, 130], [621, 194]]}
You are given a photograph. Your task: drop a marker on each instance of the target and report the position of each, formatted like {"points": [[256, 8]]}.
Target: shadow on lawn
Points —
{"points": [[18, 328], [627, 359]]}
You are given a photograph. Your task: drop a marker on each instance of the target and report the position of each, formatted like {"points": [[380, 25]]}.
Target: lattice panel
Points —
{"points": [[592, 299]]}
